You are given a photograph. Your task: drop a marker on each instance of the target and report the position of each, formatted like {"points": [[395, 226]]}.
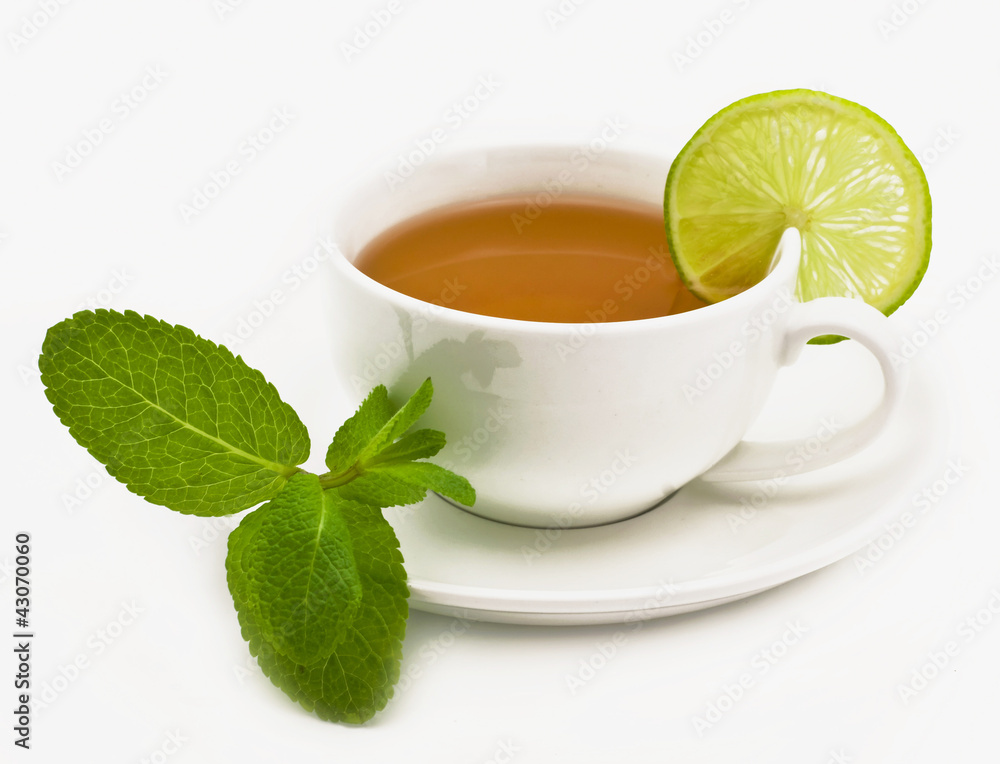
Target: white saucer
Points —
{"points": [[696, 550]]}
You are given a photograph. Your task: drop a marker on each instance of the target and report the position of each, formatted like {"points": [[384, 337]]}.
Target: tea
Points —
{"points": [[582, 259]]}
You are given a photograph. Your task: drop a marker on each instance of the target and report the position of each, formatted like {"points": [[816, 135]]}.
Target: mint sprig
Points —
{"points": [[316, 574]]}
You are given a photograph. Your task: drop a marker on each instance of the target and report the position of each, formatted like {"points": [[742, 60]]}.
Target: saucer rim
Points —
{"points": [[592, 606]]}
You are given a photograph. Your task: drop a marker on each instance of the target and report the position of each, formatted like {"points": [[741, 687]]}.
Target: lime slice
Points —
{"points": [[827, 166]]}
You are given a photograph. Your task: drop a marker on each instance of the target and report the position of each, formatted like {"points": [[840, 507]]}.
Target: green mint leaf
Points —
{"points": [[299, 574], [381, 489], [358, 431], [419, 444], [356, 681], [400, 422], [395, 484], [239, 569], [176, 418], [371, 459], [435, 478]]}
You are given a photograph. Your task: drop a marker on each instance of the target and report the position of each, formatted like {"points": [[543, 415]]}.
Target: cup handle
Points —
{"points": [[751, 460]]}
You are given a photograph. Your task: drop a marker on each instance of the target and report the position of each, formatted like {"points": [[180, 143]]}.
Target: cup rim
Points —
{"points": [[787, 255]]}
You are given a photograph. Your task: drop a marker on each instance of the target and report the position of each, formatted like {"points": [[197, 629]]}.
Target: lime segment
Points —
{"points": [[804, 159]]}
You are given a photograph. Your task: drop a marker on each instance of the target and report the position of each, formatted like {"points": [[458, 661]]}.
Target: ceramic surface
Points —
{"points": [[577, 425], [709, 544]]}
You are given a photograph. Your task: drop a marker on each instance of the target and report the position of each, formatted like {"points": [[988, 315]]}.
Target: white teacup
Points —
{"points": [[573, 425]]}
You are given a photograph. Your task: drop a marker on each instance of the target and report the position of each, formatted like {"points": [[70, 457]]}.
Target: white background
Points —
{"points": [[111, 231]]}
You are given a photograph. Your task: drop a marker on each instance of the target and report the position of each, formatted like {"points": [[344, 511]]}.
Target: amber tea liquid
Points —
{"points": [[582, 259]]}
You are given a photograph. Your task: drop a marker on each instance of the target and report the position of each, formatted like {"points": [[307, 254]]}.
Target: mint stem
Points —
{"points": [[335, 479]]}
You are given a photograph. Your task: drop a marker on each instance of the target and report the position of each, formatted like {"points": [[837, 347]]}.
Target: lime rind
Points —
{"points": [[828, 166]]}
